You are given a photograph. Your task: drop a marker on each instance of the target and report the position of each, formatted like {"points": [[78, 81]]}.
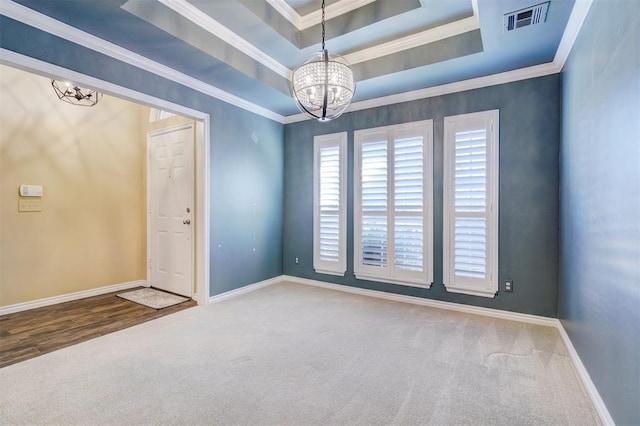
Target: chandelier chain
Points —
{"points": [[322, 24]]}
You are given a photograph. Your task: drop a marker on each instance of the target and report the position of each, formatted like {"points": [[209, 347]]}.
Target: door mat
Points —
{"points": [[153, 298]]}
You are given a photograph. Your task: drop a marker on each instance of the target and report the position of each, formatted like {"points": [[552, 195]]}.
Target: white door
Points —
{"points": [[171, 189]]}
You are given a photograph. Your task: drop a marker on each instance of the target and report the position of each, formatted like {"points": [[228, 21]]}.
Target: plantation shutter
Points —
{"points": [[374, 203], [470, 203], [409, 203], [470, 189], [329, 203], [393, 235], [329, 249]]}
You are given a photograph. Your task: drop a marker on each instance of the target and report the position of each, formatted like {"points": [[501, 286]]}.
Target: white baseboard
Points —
{"points": [[18, 307], [243, 290], [590, 387], [488, 312]]}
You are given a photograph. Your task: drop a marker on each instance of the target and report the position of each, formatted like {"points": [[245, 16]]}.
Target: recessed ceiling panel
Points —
{"points": [[439, 51], [195, 33]]}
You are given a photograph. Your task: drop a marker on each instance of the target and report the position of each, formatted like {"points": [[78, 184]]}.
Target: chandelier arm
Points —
{"points": [[301, 105]]}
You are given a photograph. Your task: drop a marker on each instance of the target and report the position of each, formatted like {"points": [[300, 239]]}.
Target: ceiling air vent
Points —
{"points": [[524, 17]]}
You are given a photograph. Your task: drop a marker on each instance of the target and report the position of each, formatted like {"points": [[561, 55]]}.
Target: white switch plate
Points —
{"points": [[31, 190], [30, 205]]}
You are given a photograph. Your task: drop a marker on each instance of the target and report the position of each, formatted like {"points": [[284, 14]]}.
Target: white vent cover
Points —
{"points": [[524, 17]]}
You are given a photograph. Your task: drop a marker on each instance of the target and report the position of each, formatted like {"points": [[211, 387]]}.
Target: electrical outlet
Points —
{"points": [[297, 261], [508, 285]]}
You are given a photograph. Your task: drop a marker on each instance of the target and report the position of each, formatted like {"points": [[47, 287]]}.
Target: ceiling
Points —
{"points": [[248, 48]]}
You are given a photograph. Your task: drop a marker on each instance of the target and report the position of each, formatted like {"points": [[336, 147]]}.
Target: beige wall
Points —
{"points": [[91, 162]]}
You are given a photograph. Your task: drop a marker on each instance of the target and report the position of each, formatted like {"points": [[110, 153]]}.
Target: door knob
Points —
{"points": [[186, 221]]}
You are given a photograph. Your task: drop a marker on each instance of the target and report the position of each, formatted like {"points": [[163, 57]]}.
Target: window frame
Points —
{"points": [[424, 278], [320, 266], [487, 287]]}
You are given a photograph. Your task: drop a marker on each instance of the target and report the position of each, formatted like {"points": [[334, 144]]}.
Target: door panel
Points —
{"points": [[171, 189]]}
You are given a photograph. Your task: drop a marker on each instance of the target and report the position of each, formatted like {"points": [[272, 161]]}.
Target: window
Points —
{"points": [[470, 240], [330, 204], [159, 114], [393, 212]]}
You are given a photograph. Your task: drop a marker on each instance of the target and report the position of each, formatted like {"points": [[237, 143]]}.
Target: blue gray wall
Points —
{"points": [[600, 203], [246, 199], [246, 177], [599, 208], [529, 174]]}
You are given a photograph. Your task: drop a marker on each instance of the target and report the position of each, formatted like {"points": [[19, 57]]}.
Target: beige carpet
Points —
{"points": [[296, 355], [153, 298]]}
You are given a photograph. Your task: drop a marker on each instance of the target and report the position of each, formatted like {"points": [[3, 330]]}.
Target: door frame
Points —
{"points": [[195, 219], [202, 149]]}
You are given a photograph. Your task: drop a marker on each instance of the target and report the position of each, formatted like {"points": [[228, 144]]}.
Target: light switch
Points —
{"points": [[30, 205]]}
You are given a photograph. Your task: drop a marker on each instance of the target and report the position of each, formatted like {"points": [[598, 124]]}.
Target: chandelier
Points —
{"points": [[74, 94], [323, 86]]}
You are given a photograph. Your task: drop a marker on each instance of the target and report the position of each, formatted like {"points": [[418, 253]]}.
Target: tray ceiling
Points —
{"points": [[248, 48]]}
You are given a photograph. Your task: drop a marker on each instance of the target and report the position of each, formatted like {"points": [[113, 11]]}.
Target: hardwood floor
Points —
{"points": [[28, 334]]}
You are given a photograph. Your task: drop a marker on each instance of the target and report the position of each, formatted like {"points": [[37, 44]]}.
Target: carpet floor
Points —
{"points": [[292, 354]]}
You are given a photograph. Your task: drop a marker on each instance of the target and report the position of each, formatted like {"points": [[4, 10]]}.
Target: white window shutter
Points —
{"points": [[330, 169], [392, 204], [329, 202], [409, 203], [374, 203], [470, 200], [470, 203]]}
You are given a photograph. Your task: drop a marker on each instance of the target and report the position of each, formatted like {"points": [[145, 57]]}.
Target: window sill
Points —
{"points": [[328, 272], [471, 291], [409, 283]]}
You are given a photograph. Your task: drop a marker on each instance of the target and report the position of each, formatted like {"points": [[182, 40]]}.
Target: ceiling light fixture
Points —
{"points": [[74, 94], [323, 86]]}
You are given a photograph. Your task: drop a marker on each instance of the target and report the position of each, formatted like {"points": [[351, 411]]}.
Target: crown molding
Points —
{"points": [[57, 28], [414, 40], [287, 12], [46, 69], [314, 18], [52, 26], [474, 6], [576, 19], [332, 11], [214, 27], [445, 89]]}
